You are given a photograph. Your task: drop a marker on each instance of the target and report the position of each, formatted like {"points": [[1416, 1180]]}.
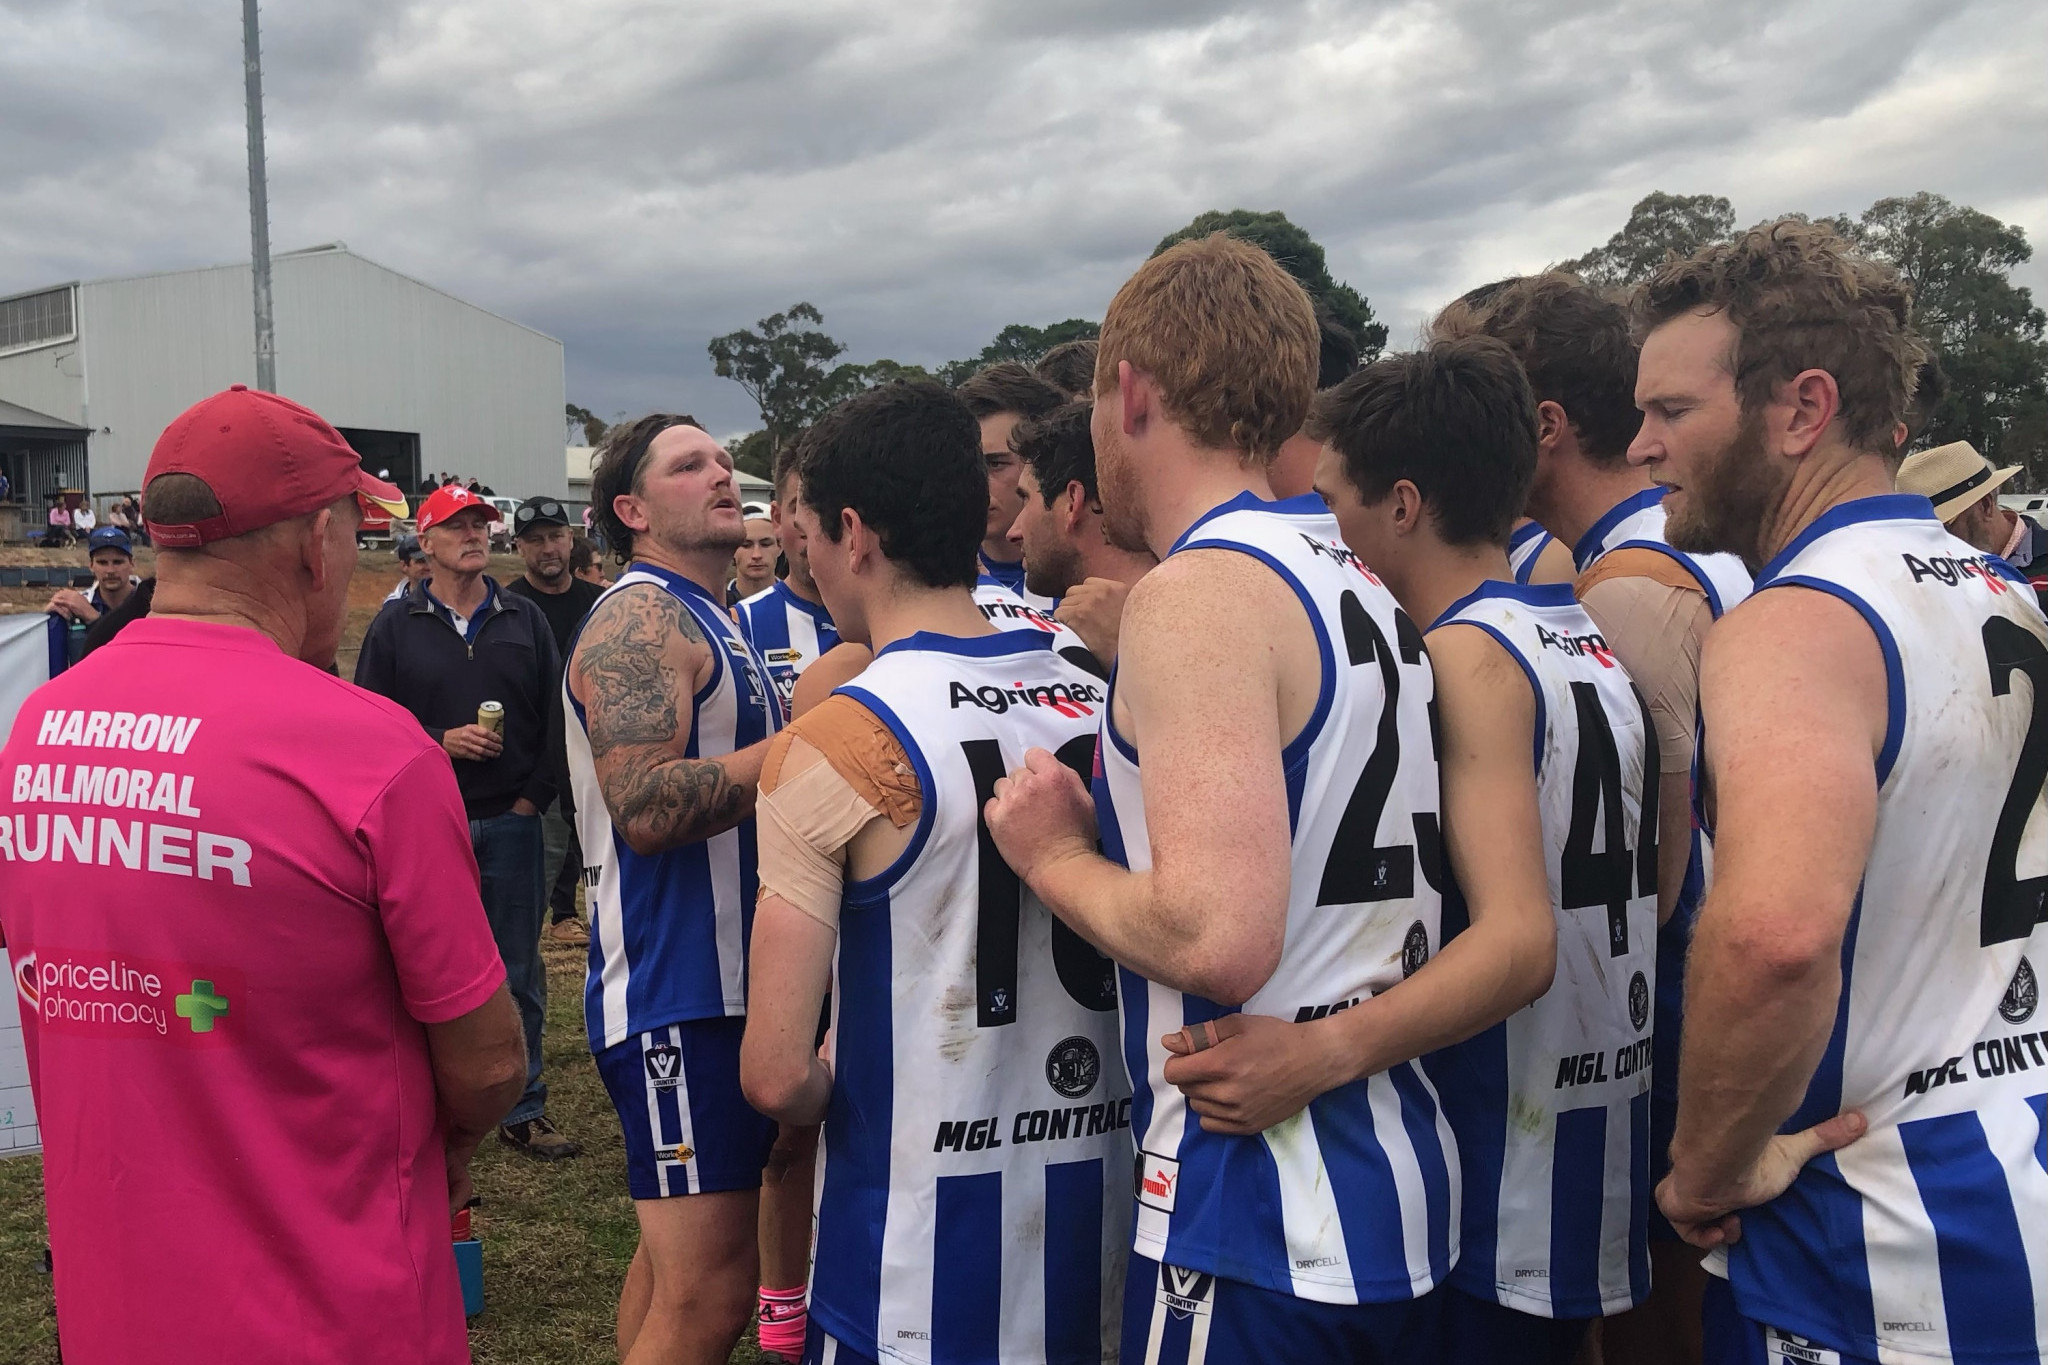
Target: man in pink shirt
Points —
{"points": [[267, 1024]]}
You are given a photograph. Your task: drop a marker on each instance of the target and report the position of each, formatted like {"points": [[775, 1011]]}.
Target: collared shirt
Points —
{"points": [[465, 626], [238, 889]]}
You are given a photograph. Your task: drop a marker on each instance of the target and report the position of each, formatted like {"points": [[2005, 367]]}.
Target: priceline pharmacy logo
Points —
{"points": [[112, 996]]}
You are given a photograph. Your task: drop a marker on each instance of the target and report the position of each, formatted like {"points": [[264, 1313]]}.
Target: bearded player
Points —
{"points": [[1863, 965]]}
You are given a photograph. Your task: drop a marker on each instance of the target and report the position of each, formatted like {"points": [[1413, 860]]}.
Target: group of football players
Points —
{"points": [[1512, 852]]}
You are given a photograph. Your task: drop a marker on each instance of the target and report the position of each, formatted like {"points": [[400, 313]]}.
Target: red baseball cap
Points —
{"points": [[445, 501], [267, 460]]}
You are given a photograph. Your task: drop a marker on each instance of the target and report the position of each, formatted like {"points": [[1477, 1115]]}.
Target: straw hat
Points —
{"points": [[1951, 477]]}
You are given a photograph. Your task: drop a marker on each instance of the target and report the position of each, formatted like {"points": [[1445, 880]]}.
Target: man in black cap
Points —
{"points": [[540, 529]]}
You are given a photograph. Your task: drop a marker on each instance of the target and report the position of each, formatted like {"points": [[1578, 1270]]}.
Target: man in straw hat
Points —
{"points": [[1963, 487]]}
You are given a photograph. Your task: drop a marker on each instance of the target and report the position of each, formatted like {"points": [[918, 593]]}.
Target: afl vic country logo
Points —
{"points": [[1414, 950], [2021, 996], [664, 1065], [1185, 1292], [1639, 1001], [1073, 1066]]}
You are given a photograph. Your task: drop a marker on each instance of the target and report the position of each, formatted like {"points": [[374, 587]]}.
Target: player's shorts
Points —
{"points": [[820, 1349], [1184, 1317], [688, 1128], [1478, 1331], [1732, 1339]]}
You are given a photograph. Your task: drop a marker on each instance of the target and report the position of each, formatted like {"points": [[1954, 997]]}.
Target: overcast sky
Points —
{"points": [[636, 176]]}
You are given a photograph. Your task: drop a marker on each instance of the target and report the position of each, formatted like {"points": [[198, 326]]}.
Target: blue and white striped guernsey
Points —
{"points": [[1552, 1105], [668, 931], [1356, 1198], [974, 1202], [1927, 1238], [1526, 545], [787, 632]]}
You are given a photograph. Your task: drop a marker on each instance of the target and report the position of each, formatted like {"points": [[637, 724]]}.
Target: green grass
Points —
{"points": [[556, 1238]]}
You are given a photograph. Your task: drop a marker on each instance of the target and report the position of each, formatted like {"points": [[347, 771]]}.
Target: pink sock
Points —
{"points": [[784, 1321]]}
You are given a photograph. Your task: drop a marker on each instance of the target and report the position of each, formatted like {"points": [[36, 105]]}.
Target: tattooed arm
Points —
{"points": [[640, 660]]}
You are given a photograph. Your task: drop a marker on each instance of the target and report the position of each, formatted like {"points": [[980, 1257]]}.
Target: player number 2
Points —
{"points": [[1360, 869], [1088, 977], [2014, 905]]}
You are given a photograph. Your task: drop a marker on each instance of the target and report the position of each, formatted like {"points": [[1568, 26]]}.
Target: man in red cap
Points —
{"points": [[446, 650], [267, 1025]]}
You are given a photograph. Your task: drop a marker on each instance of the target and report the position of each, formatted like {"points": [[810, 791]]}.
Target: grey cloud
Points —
{"points": [[636, 178]]}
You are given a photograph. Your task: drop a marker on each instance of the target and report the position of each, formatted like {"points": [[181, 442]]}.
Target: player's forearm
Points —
{"points": [[794, 1089], [1753, 1037], [664, 803], [1478, 979], [1134, 919]]}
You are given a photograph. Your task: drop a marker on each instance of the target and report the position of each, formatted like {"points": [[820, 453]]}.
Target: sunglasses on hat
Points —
{"points": [[549, 511]]}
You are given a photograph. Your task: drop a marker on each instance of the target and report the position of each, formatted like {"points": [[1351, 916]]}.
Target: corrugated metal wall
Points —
{"points": [[360, 344]]}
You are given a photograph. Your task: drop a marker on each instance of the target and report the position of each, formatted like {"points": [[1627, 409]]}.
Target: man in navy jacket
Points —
{"points": [[441, 650]]}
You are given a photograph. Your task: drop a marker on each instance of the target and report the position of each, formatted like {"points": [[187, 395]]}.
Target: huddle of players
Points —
{"points": [[1395, 909]]}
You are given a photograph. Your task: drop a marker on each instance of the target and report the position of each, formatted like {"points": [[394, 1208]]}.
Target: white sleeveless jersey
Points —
{"points": [[973, 1203], [668, 931], [1552, 1105], [1525, 546], [1007, 610], [1927, 1238], [1356, 1198]]}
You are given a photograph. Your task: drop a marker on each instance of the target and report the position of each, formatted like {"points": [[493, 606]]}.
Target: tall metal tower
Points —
{"points": [[259, 202]]}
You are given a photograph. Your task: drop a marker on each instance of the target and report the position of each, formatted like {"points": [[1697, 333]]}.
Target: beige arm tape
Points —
{"points": [[1655, 627], [825, 778]]}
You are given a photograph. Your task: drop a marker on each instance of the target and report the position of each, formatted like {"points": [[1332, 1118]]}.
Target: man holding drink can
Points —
{"points": [[478, 668]]}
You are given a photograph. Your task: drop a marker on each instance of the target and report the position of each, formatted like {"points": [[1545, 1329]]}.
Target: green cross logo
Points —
{"points": [[201, 1006]]}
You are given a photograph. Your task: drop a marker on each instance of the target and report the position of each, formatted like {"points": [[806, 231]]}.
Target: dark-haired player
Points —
{"points": [[1426, 460], [1068, 555], [1070, 368], [788, 624], [1000, 396], [1653, 604], [976, 1171]]}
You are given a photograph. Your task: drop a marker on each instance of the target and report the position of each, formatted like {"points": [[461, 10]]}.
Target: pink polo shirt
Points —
{"points": [[234, 889]]}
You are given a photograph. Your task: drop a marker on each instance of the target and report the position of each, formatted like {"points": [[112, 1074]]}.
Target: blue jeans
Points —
{"points": [[509, 855]]}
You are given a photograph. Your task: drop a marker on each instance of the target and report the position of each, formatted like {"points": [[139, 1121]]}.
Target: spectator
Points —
{"points": [[113, 572], [113, 621], [84, 520], [6, 488], [583, 562], [413, 561], [441, 651], [541, 533], [292, 1043], [117, 515], [1963, 487], [59, 533]]}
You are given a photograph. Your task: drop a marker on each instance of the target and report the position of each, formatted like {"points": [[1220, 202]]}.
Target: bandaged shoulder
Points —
{"points": [[824, 779]]}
